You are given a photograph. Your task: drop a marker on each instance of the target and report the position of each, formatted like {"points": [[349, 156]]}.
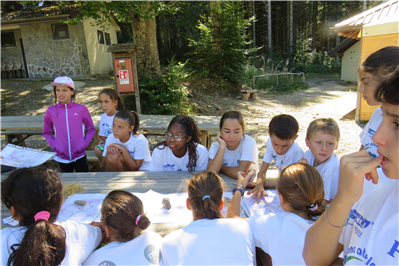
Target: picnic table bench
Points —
{"points": [[22, 127]]}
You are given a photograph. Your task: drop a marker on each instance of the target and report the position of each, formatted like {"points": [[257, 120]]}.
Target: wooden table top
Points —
{"points": [[147, 122], [140, 181]]}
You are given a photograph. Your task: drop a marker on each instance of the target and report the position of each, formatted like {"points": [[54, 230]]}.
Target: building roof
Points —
{"points": [[342, 47], [383, 13], [38, 12]]}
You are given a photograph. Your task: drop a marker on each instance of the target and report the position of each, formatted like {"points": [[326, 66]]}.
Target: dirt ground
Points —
{"points": [[324, 98]]}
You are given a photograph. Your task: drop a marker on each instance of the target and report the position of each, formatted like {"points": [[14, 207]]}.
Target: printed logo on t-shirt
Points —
{"points": [[106, 263], [131, 153], [371, 132], [225, 163], [170, 167], [108, 132], [238, 161], [361, 254], [360, 221], [152, 254]]}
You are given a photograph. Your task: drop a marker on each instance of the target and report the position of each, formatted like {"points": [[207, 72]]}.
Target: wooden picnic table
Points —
{"points": [[22, 127], [140, 181]]}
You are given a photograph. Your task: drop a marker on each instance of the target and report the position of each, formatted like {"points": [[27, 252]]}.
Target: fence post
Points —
{"points": [[253, 82], [277, 79], [292, 78]]}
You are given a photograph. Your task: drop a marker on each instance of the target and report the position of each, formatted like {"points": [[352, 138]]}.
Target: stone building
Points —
{"points": [[47, 48]]}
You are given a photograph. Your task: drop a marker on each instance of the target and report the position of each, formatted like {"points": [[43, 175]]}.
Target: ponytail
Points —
{"points": [[205, 192], [301, 185], [29, 191], [136, 122]]}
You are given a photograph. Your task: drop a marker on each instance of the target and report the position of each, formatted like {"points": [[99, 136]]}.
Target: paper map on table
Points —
{"points": [[269, 204], [90, 212], [18, 156]]}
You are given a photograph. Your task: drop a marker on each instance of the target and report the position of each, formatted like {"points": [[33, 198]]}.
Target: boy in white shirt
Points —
{"points": [[281, 148], [322, 138]]}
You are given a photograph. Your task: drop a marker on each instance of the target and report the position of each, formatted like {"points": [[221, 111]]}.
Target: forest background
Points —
{"points": [[227, 42]]}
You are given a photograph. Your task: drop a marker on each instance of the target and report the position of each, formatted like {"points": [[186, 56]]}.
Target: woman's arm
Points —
{"points": [[322, 239], [89, 126], [243, 166], [259, 189], [47, 131]]}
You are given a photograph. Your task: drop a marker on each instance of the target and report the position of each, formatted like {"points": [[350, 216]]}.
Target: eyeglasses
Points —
{"points": [[175, 137]]}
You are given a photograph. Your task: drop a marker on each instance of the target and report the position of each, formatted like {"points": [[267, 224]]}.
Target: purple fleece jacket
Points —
{"points": [[68, 120]]}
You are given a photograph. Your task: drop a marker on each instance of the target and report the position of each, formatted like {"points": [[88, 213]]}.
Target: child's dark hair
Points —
{"points": [[284, 127], [114, 95], [120, 210], [232, 115], [388, 90], [386, 57], [55, 95], [301, 185], [29, 191], [206, 184], [191, 129], [132, 118]]}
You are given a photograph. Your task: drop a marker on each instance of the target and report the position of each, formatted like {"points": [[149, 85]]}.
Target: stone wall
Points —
{"points": [[48, 58], [13, 53]]}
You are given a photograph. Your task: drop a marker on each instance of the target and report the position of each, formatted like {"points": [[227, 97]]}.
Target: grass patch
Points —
{"points": [[322, 76], [346, 83]]}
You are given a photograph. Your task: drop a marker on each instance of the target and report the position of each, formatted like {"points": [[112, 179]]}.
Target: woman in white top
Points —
{"points": [[181, 151], [124, 222], [208, 240], [301, 191], [234, 151], [34, 197], [388, 59]]}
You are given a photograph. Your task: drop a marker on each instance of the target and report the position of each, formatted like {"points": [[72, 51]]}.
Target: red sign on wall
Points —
{"points": [[123, 76]]}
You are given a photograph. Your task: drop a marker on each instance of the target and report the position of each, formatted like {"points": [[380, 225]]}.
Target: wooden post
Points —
{"points": [[292, 78], [277, 79], [136, 84], [253, 82]]}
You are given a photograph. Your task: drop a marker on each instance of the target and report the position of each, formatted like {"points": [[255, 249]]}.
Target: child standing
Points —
{"points": [[301, 191], [181, 151], [388, 58], [124, 222], [234, 151], [111, 103], [208, 240], [281, 148], [69, 121], [125, 149], [322, 138], [34, 197]]}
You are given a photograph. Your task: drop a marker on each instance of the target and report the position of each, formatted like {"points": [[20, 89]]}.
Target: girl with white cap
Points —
{"points": [[69, 121]]}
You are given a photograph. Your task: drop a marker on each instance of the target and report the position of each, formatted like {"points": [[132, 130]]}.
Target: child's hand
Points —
{"points": [[243, 179], [258, 192], [354, 167], [221, 141], [113, 148], [303, 160]]}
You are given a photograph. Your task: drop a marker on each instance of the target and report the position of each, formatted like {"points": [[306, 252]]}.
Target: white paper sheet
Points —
{"points": [[18, 156], [266, 205]]}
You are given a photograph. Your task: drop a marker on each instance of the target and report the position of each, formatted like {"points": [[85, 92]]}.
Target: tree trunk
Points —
{"points": [[314, 28], [145, 40], [291, 31], [269, 26], [216, 30]]}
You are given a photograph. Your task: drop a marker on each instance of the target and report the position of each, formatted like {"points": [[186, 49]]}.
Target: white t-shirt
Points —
{"points": [[368, 132], [81, 239], [372, 234], [210, 242], [137, 145], [293, 155], [163, 159], [142, 250], [329, 171], [246, 151], [282, 237], [105, 126]]}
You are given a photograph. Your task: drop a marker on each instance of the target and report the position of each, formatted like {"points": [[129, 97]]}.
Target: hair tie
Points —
{"points": [[313, 207], [138, 219], [42, 215], [206, 197]]}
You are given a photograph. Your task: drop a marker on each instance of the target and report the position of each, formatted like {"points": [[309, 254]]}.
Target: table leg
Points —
{"points": [[204, 137]]}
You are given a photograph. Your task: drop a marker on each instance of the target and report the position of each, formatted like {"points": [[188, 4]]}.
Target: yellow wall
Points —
{"points": [[371, 44], [351, 63], [100, 60]]}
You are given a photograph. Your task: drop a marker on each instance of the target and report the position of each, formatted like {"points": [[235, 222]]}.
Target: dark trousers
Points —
{"points": [[79, 166]]}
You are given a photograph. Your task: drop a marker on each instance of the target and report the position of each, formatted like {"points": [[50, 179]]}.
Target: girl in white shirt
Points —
{"points": [[111, 103], [301, 191], [208, 240], [34, 197], [181, 151], [124, 222], [126, 149], [234, 151]]}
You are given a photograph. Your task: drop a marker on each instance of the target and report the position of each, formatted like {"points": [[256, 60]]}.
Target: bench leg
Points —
{"points": [[253, 96], [245, 96], [204, 137]]}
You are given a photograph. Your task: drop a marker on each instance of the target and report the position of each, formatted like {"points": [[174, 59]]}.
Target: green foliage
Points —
{"points": [[220, 50], [162, 95]]}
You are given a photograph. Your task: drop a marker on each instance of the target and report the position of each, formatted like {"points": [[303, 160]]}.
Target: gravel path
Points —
{"points": [[324, 98]]}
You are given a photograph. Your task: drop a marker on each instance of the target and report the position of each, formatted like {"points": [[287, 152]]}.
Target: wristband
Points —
{"points": [[335, 226], [241, 186], [239, 189]]}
